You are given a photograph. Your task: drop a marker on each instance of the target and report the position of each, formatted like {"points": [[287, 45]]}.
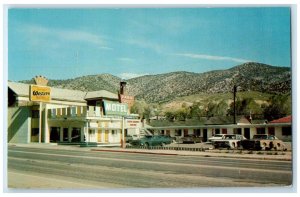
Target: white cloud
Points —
{"points": [[126, 59], [131, 75], [36, 32], [143, 43], [211, 57]]}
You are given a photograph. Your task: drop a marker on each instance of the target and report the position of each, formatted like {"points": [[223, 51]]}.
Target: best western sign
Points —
{"points": [[113, 108], [40, 93]]}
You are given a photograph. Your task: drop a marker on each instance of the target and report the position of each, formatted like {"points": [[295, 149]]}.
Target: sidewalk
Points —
{"points": [[281, 156]]}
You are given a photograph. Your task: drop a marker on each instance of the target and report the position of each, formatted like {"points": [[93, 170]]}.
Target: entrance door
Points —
{"points": [[185, 132], [247, 133], [54, 134], [204, 135], [65, 135], [99, 135], [106, 135]]}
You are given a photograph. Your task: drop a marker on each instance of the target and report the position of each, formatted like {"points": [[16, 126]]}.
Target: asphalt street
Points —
{"points": [[35, 168]]}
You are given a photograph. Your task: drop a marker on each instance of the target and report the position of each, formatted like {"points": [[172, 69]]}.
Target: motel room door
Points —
{"points": [[106, 135], [247, 133], [99, 135]]}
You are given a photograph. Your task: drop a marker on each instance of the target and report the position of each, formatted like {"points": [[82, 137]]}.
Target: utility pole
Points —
{"points": [[234, 109]]}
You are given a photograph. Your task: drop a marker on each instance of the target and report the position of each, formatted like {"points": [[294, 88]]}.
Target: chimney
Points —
{"points": [[123, 88]]}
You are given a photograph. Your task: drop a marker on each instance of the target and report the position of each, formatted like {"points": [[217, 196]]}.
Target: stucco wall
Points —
{"points": [[18, 125]]}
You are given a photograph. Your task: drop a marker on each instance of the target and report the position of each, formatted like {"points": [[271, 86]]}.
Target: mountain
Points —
{"points": [[248, 77], [166, 87]]}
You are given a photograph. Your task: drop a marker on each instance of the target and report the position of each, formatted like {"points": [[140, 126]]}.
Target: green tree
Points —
{"points": [[280, 106], [196, 111], [245, 106]]}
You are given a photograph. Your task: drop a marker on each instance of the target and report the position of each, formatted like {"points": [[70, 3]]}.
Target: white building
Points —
{"points": [[70, 116]]}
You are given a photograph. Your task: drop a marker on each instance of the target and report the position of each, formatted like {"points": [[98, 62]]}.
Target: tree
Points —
{"points": [[196, 111], [139, 108], [280, 106], [245, 106]]}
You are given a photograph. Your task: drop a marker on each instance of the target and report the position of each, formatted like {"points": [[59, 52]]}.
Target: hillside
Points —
{"points": [[248, 77], [161, 88]]}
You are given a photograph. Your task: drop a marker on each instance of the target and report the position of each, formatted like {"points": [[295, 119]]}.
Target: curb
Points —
{"points": [[140, 152], [185, 154]]}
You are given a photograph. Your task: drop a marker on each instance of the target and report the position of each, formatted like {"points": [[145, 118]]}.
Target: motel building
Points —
{"points": [[208, 127], [42, 114]]}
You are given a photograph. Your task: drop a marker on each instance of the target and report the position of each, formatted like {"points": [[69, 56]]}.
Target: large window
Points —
{"points": [[34, 134], [54, 134], [177, 132], [65, 134], [261, 131], [224, 131], [35, 113], [75, 134], [197, 132], [271, 131], [286, 131]]}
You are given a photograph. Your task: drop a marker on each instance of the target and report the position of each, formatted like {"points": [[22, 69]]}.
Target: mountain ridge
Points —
{"points": [[164, 87]]}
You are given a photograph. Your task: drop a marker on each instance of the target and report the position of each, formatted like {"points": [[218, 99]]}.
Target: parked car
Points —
{"points": [[191, 139], [128, 138], [230, 141], [155, 140], [263, 142], [215, 137]]}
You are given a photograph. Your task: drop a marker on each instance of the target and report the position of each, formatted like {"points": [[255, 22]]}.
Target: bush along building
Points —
{"points": [[42, 114]]}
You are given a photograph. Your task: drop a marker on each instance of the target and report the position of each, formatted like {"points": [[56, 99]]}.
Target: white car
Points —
{"points": [[215, 137]]}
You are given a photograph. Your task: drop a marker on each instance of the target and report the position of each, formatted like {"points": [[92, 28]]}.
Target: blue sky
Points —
{"points": [[67, 43]]}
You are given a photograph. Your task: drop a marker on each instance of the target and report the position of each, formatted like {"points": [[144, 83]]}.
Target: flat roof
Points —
{"points": [[22, 89]]}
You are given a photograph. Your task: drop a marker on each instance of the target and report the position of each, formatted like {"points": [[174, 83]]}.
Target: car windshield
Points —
{"points": [[230, 137], [218, 135], [260, 137], [148, 136]]}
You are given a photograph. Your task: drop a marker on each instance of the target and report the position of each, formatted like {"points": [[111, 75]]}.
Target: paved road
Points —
{"points": [[85, 169]]}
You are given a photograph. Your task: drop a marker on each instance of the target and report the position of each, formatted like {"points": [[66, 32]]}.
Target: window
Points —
{"points": [[271, 131], [177, 132], [197, 132], [224, 131], [217, 131], [35, 113], [65, 134], [34, 134], [286, 131], [76, 134], [54, 134], [237, 131], [260, 130]]}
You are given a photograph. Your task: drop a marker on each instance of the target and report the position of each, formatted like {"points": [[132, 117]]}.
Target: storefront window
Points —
{"points": [[65, 134], [34, 134], [54, 134], [35, 113], [75, 135]]}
